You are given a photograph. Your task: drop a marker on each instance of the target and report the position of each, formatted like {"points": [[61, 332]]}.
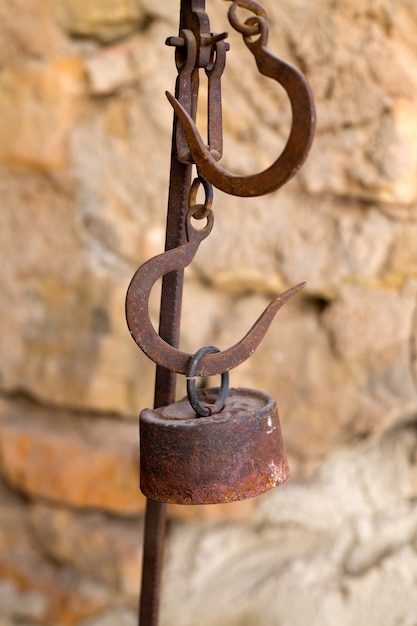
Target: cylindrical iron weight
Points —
{"points": [[236, 454]]}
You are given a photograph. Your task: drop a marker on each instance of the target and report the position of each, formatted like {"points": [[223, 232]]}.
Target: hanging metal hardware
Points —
{"points": [[302, 107], [249, 419], [198, 48], [153, 345], [214, 407], [228, 456]]}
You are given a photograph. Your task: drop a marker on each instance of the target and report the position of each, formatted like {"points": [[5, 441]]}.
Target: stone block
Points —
{"points": [[83, 463], [14, 534], [40, 593], [71, 311], [370, 324], [101, 548], [403, 253], [39, 103], [27, 604], [370, 330], [113, 67], [29, 28], [104, 20]]}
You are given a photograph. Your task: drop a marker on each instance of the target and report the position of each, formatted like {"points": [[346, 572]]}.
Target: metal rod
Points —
{"points": [[165, 380]]}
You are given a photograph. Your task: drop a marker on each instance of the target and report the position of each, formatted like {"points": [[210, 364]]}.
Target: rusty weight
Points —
{"points": [[236, 454]]}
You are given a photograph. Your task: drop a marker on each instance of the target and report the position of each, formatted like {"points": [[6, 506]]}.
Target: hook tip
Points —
{"points": [[290, 292], [179, 109], [171, 98], [300, 286]]}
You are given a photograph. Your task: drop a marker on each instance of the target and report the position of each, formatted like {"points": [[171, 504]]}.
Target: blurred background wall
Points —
{"points": [[84, 157]]}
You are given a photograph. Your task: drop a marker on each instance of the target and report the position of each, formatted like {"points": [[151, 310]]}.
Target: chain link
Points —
{"points": [[252, 26]]}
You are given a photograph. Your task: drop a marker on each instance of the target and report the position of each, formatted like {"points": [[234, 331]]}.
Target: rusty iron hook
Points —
{"points": [[162, 353], [303, 117]]}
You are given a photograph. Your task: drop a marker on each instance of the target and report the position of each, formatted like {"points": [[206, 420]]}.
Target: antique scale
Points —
{"points": [[215, 445]]}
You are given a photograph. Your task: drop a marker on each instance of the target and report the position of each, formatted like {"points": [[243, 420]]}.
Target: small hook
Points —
{"points": [[302, 128], [162, 353]]}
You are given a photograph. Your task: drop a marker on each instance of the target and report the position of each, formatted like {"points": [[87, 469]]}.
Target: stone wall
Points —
{"points": [[84, 156]]}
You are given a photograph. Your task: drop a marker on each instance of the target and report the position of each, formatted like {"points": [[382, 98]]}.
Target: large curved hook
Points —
{"points": [[165, 355], [302, 128]]}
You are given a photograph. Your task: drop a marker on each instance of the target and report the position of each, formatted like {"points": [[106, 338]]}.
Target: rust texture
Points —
{"points": [[236, 454], [303, 117], [160, 351]]}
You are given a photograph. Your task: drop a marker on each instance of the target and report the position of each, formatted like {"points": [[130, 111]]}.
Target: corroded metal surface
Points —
{"points": [[236, 454], [160, 351], [303, 117], [239, 452]]}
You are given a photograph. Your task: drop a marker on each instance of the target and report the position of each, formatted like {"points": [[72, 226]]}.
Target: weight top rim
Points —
{"points": [[240, 402]]}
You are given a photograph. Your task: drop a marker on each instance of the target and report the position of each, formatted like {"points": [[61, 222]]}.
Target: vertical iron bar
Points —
{"points": [[169, 329], [165, 380]]}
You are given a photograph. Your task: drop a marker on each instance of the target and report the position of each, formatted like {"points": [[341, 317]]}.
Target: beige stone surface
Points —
{"points": [[29, 28], [122, 616], [38, 592], [105, 20], [113, 68], [337, 549], [15, 536], [100, 547], [47, 271], [39, 103], [85, 133]]}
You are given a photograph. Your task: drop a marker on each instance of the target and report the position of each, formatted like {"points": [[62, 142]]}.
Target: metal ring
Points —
{"points": [[212, 409], [247, 29], [200, 210]]}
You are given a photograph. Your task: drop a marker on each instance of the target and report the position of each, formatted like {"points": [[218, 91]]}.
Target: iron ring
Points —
{"points": [[200, 210], [247, 29], [212, 409]]}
